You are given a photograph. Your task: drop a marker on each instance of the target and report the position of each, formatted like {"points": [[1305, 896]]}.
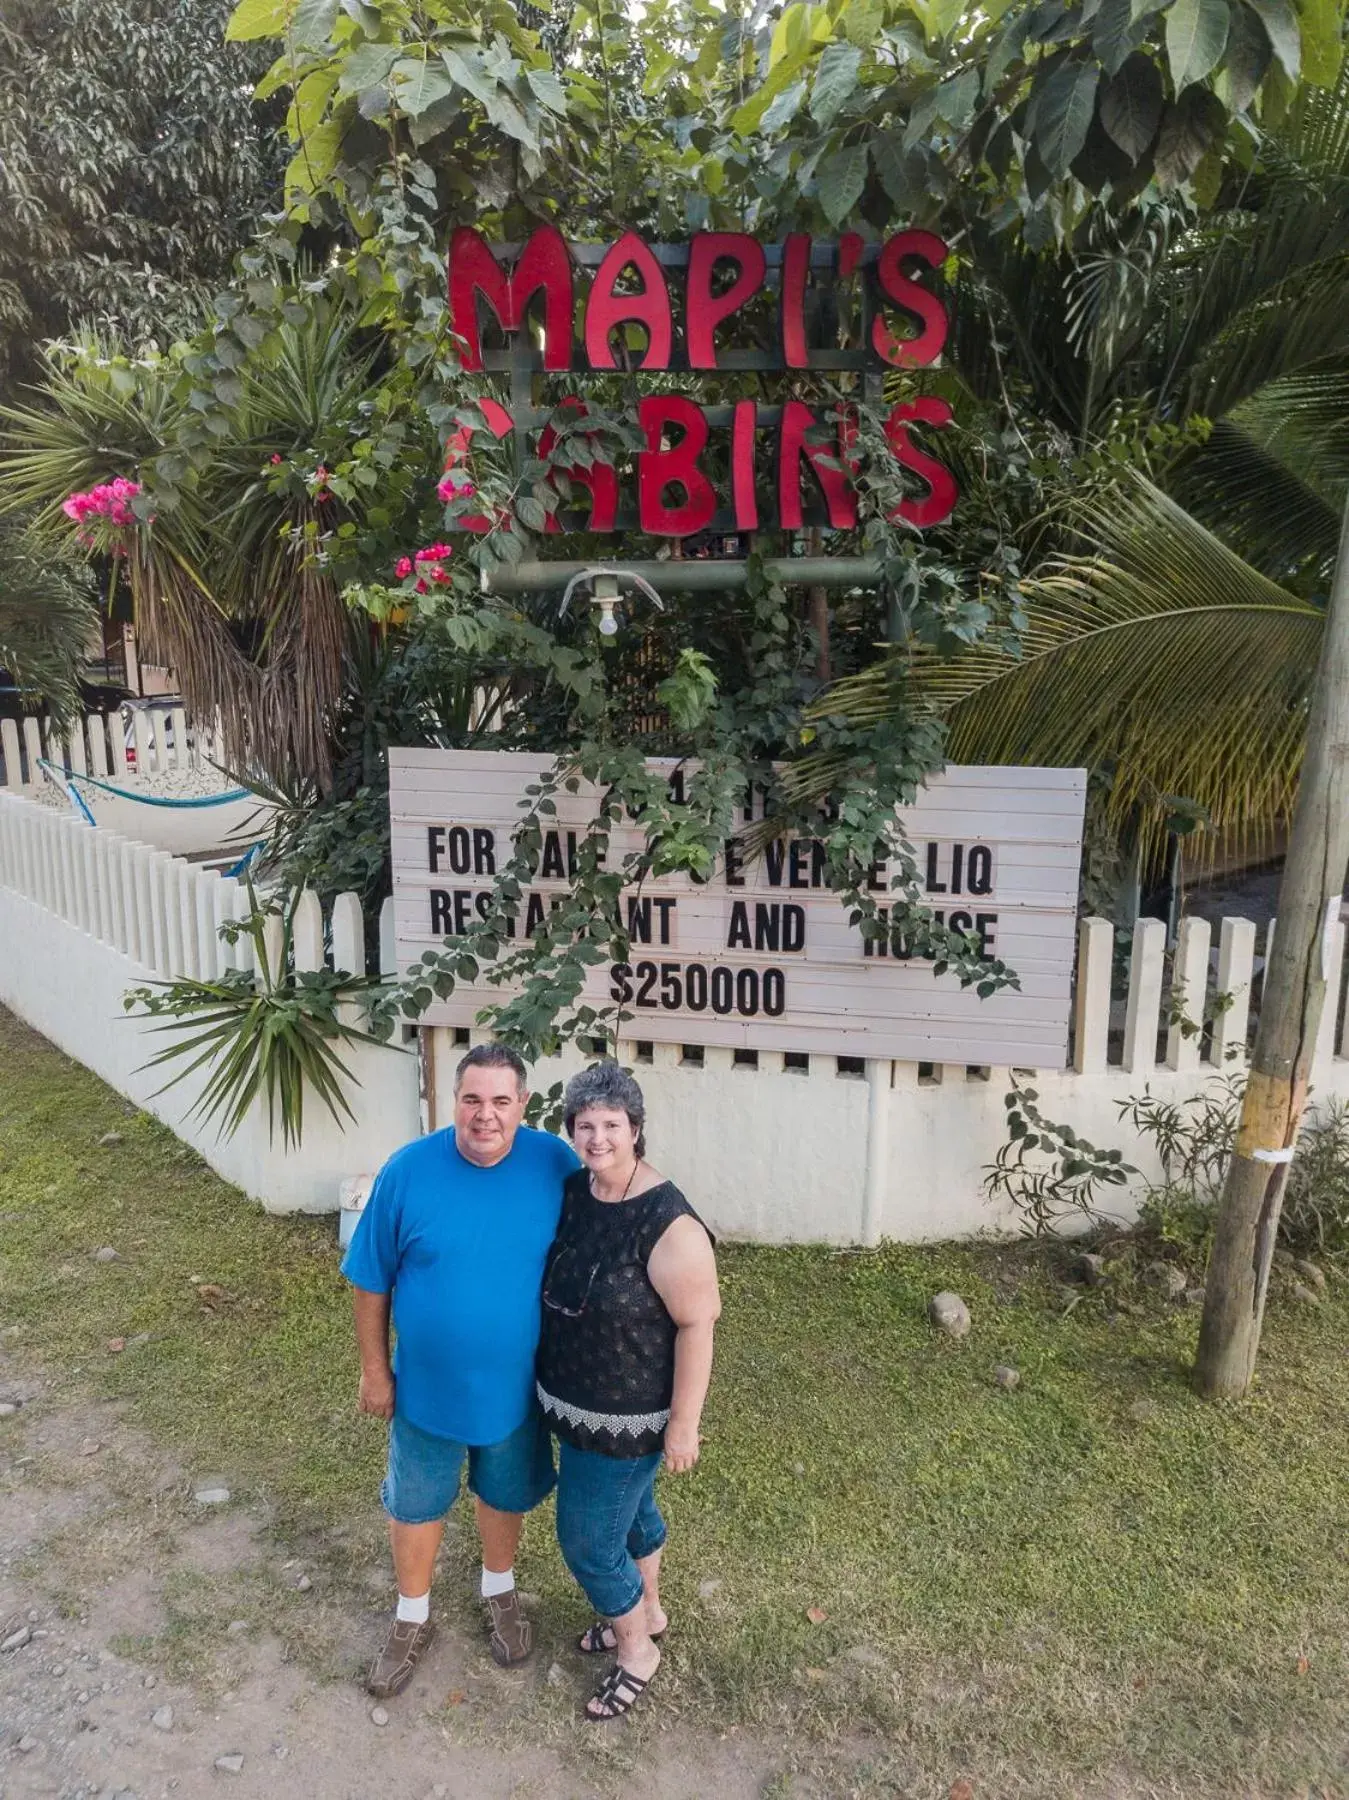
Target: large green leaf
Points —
{"points": [[841, 178], [419, 84], [1190, 127], [258, 19], [1131, 105], [1196, 36], [1285, 35], [1322, 41], [1061, 112], [311, 25], [1246, 62], [1116, 33], [835, 81]]}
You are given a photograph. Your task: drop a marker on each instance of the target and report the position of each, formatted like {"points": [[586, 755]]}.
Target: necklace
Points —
{"points": [[623, 1196]]}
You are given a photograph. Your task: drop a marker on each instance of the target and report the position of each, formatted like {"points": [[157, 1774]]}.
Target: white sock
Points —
{"points": [[494, 1583], [414, 1611]]}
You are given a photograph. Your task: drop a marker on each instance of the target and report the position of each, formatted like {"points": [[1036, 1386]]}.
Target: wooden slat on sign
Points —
{"points": [[762, 956]]}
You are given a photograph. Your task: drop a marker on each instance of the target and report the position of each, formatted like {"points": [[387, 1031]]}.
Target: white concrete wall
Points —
{"points": [[68, 983], [765, 1153]]}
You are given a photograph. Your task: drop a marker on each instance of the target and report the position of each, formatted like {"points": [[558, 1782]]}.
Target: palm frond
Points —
{"points": [[1160, 653]]}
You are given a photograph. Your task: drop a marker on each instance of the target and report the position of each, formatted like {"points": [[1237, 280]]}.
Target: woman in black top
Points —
{"points": [[629, 1304]]}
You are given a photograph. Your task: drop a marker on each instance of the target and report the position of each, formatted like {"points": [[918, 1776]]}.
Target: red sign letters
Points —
{"points": [[724, 274]]}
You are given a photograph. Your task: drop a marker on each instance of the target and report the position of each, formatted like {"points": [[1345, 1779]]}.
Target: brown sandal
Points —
{"points": [[396, 1663], [591, 1641], [512, 1636], [619, 1691]]}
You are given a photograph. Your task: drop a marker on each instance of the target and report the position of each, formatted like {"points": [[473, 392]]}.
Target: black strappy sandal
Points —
{"points": [[619, 1691], [591, 1641]]}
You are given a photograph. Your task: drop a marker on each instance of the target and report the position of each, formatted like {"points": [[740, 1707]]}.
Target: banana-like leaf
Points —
{"points": [[1161, 653]]}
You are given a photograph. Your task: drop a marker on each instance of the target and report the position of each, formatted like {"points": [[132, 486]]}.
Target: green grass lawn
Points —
{"points": [[1040, 1588]]}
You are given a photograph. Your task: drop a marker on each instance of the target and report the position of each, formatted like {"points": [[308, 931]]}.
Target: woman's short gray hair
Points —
{"points": [[606, 1084]]}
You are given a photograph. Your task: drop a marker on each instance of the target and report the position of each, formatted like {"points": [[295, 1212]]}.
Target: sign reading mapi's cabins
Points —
{"points": [[761, 956]]}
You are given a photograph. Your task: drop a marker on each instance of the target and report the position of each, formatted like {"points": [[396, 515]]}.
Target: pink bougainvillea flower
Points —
{"points": [[320, 474], [435, 553], [421, 588], [110, 500], [403, 568], [275, 457], [455, 487], [438, 574]]}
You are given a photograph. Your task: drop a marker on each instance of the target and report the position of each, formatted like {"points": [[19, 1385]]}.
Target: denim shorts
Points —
{"points": [[607, 1520], [425, 1472]]}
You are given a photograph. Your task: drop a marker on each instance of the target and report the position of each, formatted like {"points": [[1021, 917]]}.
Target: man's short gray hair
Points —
{"points": [[492, 1056], [606, 1084]]}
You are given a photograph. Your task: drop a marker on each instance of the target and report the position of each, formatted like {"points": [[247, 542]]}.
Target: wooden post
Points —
{"points": [[1290, 1018]]}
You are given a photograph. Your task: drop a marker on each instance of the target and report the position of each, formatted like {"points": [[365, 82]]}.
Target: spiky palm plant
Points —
{"points": [[228, 584]]}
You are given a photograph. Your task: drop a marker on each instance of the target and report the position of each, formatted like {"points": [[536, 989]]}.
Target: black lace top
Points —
{"points": [[606, 1354]]}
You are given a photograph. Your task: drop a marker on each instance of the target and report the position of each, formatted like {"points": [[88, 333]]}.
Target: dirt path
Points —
{"points": [[158, 1634]]}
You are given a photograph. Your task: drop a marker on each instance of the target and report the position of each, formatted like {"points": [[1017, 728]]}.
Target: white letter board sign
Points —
{"points": [[761, 956]]}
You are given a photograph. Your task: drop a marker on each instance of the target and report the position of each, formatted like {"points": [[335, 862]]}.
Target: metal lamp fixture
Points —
{"points": [[604, 586]]}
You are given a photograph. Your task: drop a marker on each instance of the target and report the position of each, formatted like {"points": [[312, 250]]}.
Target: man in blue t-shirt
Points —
{"points": [[452, 1243]]}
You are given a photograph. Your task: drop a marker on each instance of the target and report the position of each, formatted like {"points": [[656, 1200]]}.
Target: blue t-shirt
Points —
{"points": [[462, 1251]]}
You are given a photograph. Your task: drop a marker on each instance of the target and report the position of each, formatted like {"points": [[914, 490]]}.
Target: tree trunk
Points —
{"points": [[1290, 1016]]}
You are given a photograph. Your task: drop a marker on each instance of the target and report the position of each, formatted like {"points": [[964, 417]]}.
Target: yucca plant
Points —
{"points": [[273, 1032], [48, 621]]}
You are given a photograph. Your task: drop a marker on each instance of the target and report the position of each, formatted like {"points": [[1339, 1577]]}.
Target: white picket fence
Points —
{"points": [[774, 1147], [160, 741]]}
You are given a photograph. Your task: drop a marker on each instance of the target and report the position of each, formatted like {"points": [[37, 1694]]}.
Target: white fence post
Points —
{"points": [[101, 923], [9, 744], [348, 935], [388, 944], [1189, 991], [879, 1073], [180, 755], [208, 943], [97, 726], [32, 743], [307, 934], [225, 894], [159, 724], [117, 742], [70, 890], [1145, 996], [1095, 956], [244, 957], [1236, 960], [164, 913], [273, 941], [75, 757], [140, 734], [1330, 1012], [187, 919], [141, 912]]}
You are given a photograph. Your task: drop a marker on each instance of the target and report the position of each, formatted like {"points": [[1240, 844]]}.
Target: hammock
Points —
{"points": [[69, 777]]}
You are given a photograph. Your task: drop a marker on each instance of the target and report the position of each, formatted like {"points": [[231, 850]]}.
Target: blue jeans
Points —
{"points": [[425, 1472], [607, 1518]]}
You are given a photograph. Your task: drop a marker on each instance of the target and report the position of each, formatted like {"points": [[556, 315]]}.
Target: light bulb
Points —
{"points": [[608, 623]]}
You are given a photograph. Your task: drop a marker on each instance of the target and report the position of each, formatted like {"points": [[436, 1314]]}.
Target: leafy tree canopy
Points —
{"points": [[133, 165]]}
